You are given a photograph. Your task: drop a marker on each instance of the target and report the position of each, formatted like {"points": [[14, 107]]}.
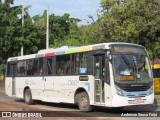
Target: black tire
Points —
{"points": [[83, 102], [28, 97]]}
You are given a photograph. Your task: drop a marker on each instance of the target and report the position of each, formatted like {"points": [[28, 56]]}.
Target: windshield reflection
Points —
{"points": [[131, 68]]}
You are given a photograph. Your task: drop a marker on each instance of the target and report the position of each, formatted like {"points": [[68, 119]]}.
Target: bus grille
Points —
{"points": [[135, 88]]}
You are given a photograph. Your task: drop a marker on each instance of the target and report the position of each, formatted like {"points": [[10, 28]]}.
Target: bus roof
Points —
{"points": [[68, 50]]}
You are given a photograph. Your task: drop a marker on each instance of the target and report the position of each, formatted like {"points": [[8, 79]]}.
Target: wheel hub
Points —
{"points": [[27, 96], [84, 102]]}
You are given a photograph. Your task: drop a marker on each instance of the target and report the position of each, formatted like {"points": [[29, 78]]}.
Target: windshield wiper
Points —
{"points": [[125, 60]]}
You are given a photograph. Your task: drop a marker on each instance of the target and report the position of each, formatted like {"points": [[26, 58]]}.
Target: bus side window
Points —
{"points": [[21, 68], [62, 65], [49, 66], [79, 64], [40, 66], [30, 67], [35, 67], [83, 69]]}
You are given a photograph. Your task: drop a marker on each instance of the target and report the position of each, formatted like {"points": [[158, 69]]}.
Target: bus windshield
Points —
{"points": [[131, 68]]}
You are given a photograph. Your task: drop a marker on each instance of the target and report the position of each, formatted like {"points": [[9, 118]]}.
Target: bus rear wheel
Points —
{"points": [[83, 102], [28, 97]]}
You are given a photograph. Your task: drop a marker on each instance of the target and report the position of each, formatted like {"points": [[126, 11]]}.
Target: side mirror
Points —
{"points": [[109, 57]]}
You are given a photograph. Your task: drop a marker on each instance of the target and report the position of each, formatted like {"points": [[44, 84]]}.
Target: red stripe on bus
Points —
{"points": [[49, 54]]}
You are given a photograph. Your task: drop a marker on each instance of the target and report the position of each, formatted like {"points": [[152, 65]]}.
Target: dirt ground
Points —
{"points": [[18, 107], [10, 106]]}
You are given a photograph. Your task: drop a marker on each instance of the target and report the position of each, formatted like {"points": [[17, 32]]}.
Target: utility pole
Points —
{"points": [[22, 26], [47, 30]]}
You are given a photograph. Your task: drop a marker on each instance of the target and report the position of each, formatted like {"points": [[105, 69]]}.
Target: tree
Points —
{"points": [[61, 29], [135, 21], [8, 28]]}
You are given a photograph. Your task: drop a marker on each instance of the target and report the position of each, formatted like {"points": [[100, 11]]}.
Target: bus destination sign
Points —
{"points": [[128, 49]]}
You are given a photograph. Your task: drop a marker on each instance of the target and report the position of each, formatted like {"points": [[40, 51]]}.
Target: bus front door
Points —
{"points": [[99, 67], [13, 71]]}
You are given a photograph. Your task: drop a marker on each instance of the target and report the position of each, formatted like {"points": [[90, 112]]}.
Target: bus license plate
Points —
{"points": [[137, 100]]}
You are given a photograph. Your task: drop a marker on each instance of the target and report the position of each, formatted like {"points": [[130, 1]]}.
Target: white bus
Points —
{"points": [[108, 74]]}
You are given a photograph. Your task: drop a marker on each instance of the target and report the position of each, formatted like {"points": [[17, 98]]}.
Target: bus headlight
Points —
{"points": [[151, 90], [119, 91]]}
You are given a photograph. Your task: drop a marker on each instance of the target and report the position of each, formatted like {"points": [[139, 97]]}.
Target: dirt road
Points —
{"points": [[18, 107], [62, 111]]}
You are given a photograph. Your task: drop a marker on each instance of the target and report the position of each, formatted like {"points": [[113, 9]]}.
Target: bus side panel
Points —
{"points": [[91, 89], [8, 86], [36, 84], [67, 85], [50, 94], [112, 86], [20, 85], [108, 97]]}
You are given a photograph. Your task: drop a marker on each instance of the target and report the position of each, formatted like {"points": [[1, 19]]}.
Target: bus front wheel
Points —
{"points": [[83, 102], [28, 97]]}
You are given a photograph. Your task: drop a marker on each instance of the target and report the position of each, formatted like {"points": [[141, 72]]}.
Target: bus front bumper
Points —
{"points": [[120, 101]]}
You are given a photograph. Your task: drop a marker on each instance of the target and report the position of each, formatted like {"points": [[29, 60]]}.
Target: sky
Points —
{"points": [[76, 8]]}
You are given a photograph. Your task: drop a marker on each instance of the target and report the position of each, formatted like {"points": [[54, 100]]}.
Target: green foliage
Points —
{"points": [[33, 34], [136, 21], [2, 68], [9, 27]]}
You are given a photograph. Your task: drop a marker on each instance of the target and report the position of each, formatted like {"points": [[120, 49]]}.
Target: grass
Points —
{"points": [[157, 96], [1, 85], [1, 88]]}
